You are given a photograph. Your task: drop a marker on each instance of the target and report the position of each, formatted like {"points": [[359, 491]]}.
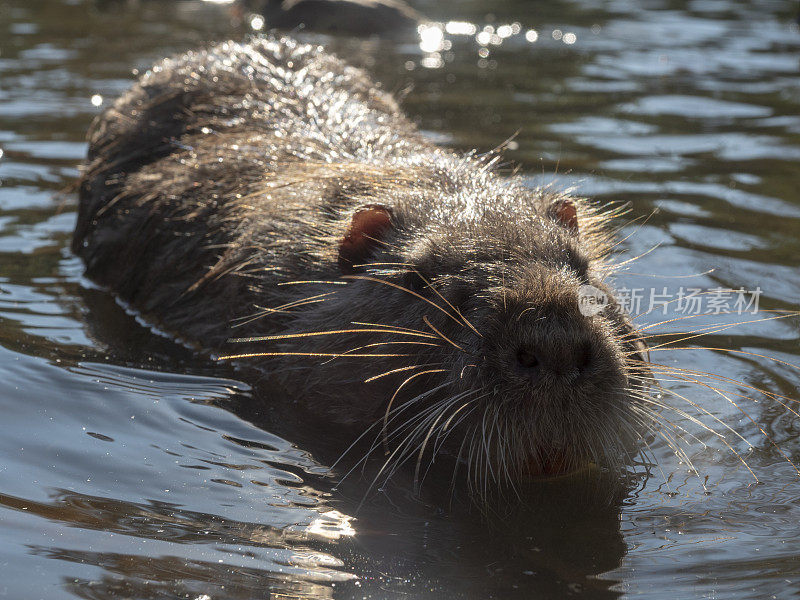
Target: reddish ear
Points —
{"points": [[366, 228], [564, 212]]}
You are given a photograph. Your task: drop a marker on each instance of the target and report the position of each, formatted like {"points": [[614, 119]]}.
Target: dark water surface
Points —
{"points": [[130, 468]]}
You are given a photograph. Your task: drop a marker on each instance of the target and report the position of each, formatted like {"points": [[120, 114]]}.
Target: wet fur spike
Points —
{"points": [[225, 195]]}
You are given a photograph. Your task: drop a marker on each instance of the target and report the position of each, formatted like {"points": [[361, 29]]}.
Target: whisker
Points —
{"points": [[310, 354], [458, 312], [673, 445], [617, 266], [749, 418], [407, 445], [630, 222], [457, 464], [441, 335], [424, 445], [375, 344], [779, 398], [453, 425], [264, 311], [289, 336], [401, 386], [432, 428], [442, 435], [659, 276], [312, 281], [721, 422], [393, 371], [710, 330], [704, 426], [732, 351], [404, 289], [643, 397], [487, 451], [781, 314], [393, 327], [398, 449], [397, 411]]}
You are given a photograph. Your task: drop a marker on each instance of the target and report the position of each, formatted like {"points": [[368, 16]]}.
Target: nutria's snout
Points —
{"points": [[557, 388], [539, 347]]}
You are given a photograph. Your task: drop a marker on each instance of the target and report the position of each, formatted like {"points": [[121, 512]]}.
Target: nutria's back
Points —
{"points": [[182, 164], [268, 190]]}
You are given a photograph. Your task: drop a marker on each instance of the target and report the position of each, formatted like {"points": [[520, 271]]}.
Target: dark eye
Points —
{"points": [[416, 282], [580, 267], [460, 295]]}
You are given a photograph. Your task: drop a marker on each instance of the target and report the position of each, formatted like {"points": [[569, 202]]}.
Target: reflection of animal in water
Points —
{"points": [[563, 545], [271, 193], [300, 566]]}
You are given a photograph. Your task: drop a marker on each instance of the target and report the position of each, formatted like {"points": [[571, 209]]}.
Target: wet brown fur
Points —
{"points": [[228, 175]]}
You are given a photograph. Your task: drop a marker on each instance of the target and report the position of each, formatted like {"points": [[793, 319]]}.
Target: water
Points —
{"points": [[133, 469]]}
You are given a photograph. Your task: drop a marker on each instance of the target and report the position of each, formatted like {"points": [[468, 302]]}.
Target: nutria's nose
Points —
{"points": [[533, 362]]}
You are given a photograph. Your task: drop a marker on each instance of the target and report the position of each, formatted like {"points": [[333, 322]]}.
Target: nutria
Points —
{"points": [[268, 192]]}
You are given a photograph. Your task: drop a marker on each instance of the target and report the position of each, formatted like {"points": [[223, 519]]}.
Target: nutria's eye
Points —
{"points": [[460, 296], [580, 267], [416, 282]]}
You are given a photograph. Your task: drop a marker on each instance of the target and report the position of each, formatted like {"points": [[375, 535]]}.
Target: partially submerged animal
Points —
{"points": [[267, 191]]}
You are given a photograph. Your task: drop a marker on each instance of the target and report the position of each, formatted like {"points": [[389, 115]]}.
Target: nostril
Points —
{"points": [[526, 358]]}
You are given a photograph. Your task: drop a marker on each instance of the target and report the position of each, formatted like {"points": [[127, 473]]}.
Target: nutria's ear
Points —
{"points": [[369, 223], [565, 213]]}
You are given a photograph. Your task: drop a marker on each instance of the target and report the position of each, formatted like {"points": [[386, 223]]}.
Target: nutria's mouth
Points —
{"points": [[551, 463]]}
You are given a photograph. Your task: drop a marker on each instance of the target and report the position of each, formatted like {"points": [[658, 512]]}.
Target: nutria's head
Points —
{"points": [[467, 310]]}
